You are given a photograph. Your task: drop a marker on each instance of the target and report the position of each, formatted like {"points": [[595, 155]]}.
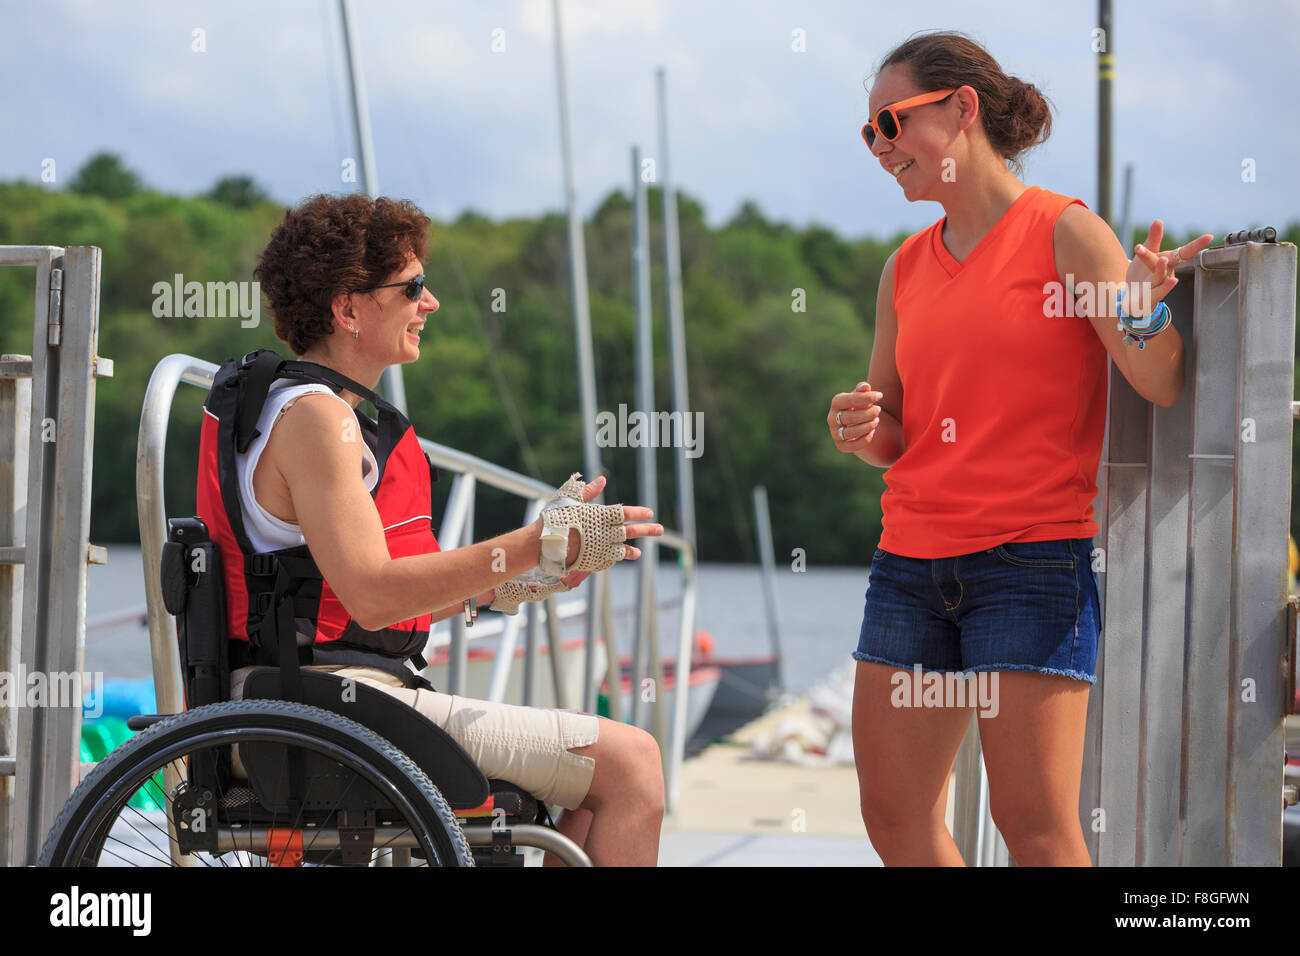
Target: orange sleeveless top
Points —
{"points": [[1004, 407]]}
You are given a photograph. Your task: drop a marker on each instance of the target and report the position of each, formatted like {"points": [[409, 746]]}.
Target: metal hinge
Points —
{"points": [[1264, 234], [56, 306]]}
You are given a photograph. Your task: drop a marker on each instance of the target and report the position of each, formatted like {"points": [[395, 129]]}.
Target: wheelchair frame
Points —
{"points": [[483, 824], [493, 813]]}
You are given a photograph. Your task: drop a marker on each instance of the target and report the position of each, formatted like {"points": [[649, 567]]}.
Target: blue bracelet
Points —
{"points": [[1150, 326]]}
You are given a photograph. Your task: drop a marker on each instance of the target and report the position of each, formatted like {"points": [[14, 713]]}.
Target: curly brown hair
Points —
{"points": [[333, 244], [1014, 114]]}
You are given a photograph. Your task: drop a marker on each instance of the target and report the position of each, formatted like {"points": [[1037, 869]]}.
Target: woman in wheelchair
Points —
{"points": [[344, 280]]}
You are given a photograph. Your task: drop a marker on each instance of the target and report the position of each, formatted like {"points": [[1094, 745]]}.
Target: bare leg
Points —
{"points": [[625, 804], [574, 824], [1033, 750], [904, 756]]}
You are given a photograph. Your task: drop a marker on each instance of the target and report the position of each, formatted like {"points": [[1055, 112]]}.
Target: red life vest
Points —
{"points": [[272, 592]]}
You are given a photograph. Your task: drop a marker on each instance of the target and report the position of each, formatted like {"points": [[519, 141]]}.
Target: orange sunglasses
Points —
{"points": [[888, 123]]}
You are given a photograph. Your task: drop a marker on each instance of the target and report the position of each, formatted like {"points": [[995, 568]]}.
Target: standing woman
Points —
{"points": [[986, 404]]}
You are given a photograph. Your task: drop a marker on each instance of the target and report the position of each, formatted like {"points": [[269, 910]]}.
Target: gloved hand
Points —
{"points": [[533, 585], [600, 531]]}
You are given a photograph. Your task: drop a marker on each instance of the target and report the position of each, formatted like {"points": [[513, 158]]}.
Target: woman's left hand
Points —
{"points": [[1153, 270]]}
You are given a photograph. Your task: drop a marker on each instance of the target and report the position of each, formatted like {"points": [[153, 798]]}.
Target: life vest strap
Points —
{"points": [[257, 381], [311, 372]]}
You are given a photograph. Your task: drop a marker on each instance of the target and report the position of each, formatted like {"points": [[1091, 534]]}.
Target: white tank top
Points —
{"points": [[265, 531]]}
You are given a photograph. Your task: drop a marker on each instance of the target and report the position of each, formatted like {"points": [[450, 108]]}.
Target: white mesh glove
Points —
{"points": [[600, 531], [534, 585]]}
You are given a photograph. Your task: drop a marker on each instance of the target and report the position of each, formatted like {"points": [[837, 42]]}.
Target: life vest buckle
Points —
{"points": [[261, 565]]}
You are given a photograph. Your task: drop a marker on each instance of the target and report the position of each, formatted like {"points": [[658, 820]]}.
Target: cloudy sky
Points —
{"points": [[1201, 87]]}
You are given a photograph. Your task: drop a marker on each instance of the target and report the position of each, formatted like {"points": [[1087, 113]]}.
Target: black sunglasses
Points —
{"points": [[413, 288]]}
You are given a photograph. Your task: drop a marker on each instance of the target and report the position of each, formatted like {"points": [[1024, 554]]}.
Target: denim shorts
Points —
{"points": [[1021, 606]]}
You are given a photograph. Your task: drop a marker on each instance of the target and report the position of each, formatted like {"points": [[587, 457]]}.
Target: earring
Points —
{"points": [[355, 332]]}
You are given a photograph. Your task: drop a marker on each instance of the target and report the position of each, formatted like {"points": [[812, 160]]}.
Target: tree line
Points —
{"points": [[778, 319]]}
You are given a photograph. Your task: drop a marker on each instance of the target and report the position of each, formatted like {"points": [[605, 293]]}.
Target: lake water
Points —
{"points": [[819, 612]]}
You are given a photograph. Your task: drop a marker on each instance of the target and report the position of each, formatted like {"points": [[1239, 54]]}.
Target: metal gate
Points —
{"points": [[47, 420]]}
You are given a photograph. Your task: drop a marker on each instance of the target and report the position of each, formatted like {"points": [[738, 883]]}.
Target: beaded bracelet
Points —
{"points": [[1144, 328]]}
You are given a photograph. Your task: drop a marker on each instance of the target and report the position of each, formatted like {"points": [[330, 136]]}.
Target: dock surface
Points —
{"points": [[736, 810]]}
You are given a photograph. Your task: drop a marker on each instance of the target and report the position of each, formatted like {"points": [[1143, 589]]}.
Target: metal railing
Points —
{"points": [[455, 530], [1183, 758], [47, 419]]}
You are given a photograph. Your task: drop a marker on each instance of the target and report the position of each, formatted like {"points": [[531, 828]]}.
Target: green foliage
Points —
{"points": [[761, 373], [104, 175], [237, 191]]}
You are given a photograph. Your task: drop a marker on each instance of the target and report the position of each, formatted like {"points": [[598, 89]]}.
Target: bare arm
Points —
{"points": [[1087, 251], [313, 477], [872, 414]]}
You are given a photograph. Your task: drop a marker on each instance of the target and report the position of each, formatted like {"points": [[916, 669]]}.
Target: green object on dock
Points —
{"points": [[100, 737]]}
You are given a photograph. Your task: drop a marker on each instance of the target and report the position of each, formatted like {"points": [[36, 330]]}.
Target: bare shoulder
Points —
{"points": [[315, 434], [1084, 244], [887, 274]]}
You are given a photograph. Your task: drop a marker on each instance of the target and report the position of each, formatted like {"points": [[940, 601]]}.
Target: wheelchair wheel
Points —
{"points": [[308, 786]]}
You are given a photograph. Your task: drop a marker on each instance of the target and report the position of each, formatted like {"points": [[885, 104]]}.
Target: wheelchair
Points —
{"points": [[340, 775]]}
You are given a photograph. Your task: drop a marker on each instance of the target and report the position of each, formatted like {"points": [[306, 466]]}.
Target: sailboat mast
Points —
{"points": [[586, 361], [392, 384]]}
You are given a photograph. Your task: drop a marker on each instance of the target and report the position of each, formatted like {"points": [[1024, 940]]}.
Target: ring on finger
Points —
{"points": [[842, 433], [838, 420]]}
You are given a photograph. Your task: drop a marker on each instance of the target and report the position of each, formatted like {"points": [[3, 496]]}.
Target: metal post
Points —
{"points": [[1128, 464], [763, 519], [393, 385], [1105, 73], [504, 662], [686, 631], [647, 481], [460, 534], [57, 546], [530, 655], [15, 429], [586, 361], [676, 325], [1260, 692], [613, 672], [1160, 665], [555, 652], [1126, 205]]}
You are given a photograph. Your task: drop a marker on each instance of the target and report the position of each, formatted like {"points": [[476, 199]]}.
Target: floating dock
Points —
{"points": [[738, 810]]}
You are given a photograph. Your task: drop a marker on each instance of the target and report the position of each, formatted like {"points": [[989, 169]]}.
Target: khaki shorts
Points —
{"points": [[527, 746]]}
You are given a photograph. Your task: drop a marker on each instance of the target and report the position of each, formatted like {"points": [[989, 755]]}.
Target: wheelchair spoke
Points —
{"points": [[128, 862], [315, 836], [145, 838]]}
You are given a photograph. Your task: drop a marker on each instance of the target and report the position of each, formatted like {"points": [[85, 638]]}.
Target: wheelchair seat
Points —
{"points": [[467, 791], [431, 748]]}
